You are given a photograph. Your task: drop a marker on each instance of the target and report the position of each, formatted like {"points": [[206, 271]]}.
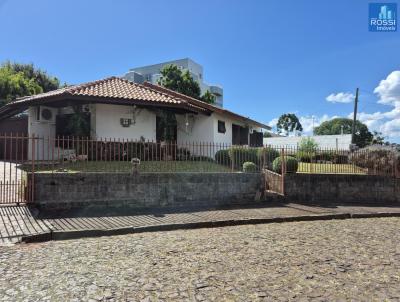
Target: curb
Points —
{"points": [[76, 234]]}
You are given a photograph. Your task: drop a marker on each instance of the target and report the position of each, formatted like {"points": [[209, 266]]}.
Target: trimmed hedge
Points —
{"points": [[291, 164], [268, 153], [249, 167], [331, 156], [305, 157], [239, 155], [222, 157]]}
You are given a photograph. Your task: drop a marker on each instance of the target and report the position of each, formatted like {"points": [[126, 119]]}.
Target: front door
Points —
{"points": [[165, 132], [240, 135]]}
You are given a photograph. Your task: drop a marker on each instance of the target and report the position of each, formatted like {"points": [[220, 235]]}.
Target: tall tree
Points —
{"points": [[208, 97], [362, 138], [14, 85], [288, 123], [173, 78], [17, 80], [40, 77]]}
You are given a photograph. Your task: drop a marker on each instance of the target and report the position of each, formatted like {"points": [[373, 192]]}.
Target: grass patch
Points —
{"points": [[120, 166], [317, 168]]}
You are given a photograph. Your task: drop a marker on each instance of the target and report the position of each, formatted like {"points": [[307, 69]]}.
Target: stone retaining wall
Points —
{"points": [[145, 190], [341, 188]]}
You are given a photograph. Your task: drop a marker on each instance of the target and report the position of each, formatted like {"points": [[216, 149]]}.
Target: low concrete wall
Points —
{"points": [[341, 188], [145, 190]]}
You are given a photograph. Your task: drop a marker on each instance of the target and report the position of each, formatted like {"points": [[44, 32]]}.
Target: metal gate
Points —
{"points": [[16, 169]]}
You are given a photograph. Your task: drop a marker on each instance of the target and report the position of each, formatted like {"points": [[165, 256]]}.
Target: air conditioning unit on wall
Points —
{"points": [[46, 114]]}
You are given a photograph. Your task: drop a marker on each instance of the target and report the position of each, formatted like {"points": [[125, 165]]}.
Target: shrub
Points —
{"points": [[307, 151], [340, 158], [379, 160], [201, 158], [291, 164], [332, 156], [222, 157], [182, 154], [308, 145], [325, 156], [239, 155], [305, 157], [249, 167], [267, 153]]}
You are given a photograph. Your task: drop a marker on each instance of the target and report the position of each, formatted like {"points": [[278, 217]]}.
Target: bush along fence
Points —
{"points": [[382, 162]]}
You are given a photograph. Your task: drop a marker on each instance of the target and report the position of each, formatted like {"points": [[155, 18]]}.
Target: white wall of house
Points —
{"points": [[203, 130], [44, 130], [199, 128], [197, 134], [106, 121]]}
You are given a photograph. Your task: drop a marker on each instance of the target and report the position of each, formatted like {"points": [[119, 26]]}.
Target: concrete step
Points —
{"points": [[273, 196]]}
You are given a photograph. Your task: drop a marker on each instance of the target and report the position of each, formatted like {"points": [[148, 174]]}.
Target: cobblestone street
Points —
{"points": [[354, 259]]}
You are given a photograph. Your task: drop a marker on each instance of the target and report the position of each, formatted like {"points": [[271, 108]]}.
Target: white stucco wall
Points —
{"points": [[341, 142], [45, 132], [107, 123], [200, 128], [197, 134], [204, 129]]}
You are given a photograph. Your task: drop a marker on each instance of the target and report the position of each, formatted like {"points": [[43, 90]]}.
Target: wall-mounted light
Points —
{"points": [[125, 122], [186, 122]]}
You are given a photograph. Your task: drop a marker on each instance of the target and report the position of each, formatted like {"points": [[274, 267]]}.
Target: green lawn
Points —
{"points": [[120, 166], [179, 166], [329, 168]]}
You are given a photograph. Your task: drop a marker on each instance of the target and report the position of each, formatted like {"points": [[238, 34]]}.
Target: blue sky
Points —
{"points": [[271, 57]]}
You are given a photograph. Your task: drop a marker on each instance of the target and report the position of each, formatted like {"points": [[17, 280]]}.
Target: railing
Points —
{"points": [[22, 156], [384, 162], [15, 185], [77, 154]]}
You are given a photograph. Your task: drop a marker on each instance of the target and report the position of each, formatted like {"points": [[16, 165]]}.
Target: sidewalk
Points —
{"points": [[25, 224]]}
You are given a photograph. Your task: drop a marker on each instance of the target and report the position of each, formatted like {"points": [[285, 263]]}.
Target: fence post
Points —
{"points": [[33, 169], [264, 163], [283, 171], [232, 159]]}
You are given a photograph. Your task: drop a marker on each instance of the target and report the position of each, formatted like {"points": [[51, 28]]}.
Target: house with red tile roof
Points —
{"points": [[120, 109]]}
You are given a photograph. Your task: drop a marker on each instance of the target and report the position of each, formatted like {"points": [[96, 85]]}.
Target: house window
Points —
{"points": [[240, 135], [221, 127], [37, 112]]}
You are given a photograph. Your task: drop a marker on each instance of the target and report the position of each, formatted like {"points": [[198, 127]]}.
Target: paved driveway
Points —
{"points": [[338, 260]]}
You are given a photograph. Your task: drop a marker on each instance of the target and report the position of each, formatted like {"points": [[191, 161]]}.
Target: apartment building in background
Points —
{"points": [[151, 73]]}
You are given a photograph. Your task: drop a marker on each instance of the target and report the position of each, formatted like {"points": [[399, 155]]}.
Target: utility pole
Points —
{"points": [[353, 130]]}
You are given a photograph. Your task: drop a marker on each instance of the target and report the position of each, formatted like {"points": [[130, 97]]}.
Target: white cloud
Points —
{"points": [[341, 97], [388, 92], [387, 122], [307, 122], [391, 127], [388, 89], [272, 123]]}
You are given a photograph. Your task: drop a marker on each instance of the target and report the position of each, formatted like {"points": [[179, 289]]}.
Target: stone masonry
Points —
{"points": [[145, 190]]}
